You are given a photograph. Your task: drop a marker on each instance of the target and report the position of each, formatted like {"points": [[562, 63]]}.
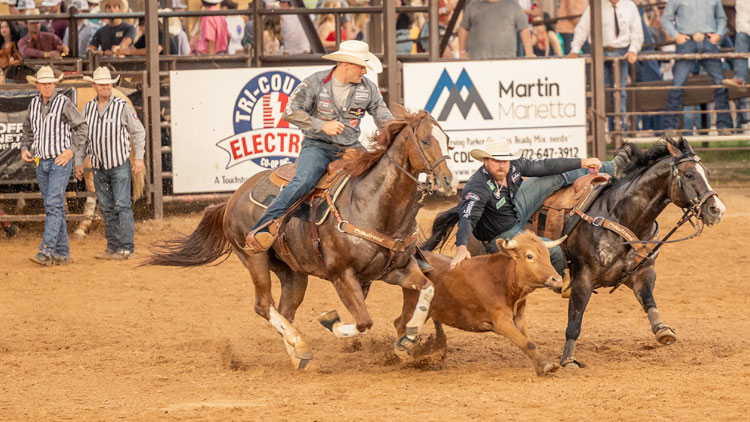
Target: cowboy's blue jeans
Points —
{"points": [[681, 70], [113, 192], [530, 197], [52, 181], [312, 164]]}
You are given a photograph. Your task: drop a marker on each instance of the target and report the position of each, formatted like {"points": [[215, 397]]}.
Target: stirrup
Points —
{"points": [[258, 241]]}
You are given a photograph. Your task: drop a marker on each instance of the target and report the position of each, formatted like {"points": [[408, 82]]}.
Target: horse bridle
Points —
{"points": [[428, 168], [696, 201]]}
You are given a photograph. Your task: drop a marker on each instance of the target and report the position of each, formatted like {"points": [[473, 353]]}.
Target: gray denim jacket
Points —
{"points": [[311, 104]]}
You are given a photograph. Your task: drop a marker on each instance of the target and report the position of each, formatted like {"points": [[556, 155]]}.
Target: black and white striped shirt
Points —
{"points": [[50, 129], [110, 131]]}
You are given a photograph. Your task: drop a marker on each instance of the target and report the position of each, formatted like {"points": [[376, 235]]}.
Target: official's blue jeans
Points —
{"points": [[113, 192], [53, 180], [680, 71], [609, 78], [530, 197], [312, 164]]}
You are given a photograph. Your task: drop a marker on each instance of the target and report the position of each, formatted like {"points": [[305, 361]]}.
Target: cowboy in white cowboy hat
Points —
{"points": [[113, 124], [116, 34], [328, 106], [497, 201], [56, 132]]}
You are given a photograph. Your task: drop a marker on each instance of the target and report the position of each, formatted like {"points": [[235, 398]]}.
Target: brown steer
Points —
{"points": [[488, 293]]}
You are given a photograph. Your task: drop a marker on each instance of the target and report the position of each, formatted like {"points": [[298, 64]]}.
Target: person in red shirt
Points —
{"points": [[40, 45]]}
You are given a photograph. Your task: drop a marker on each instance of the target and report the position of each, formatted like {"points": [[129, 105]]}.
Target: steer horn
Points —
{"points": [[510, 244], [549, 244]]}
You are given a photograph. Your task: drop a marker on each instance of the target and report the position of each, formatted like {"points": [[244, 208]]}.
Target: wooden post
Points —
{"points": [[152, 121], [390, 62]]}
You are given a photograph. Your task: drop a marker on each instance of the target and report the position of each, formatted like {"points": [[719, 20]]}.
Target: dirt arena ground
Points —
{"points": [[112, 341]]}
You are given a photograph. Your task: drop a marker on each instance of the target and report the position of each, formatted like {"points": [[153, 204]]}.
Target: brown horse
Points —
{"points": [[380, 200]]}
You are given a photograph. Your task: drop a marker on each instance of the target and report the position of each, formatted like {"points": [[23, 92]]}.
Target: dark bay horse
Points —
{"points": [[646, 183], [381, 200]]}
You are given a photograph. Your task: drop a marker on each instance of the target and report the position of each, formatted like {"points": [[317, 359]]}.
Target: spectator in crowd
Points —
{"points": [[10, 40], [214, 37], [235, 28], [37, 44], [56, 132], [58, 26], [94, 8], [566, 27], [404, 23], [86, 29], [741, 42], [326, 26], [489, 27], [21, 8], [445, 11], [360, 24], [532, 11], [139, 48], [345, 21], [112, 123], [697, 27], [545, 40], [648, 70], [116, 34], [177, 31], [294, 36], [622, 35]]}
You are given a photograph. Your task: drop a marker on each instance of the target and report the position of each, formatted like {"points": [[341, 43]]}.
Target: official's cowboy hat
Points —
{"points": [[495, 149], [102, 77], [45, 75], [123, 4], [356, 52]]}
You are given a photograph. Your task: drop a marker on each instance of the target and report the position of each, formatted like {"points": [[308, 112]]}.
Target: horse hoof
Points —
{"points": [[550, 368], [666, 336], [304, 365], [571, 363], [328, 319], [404, 347]]}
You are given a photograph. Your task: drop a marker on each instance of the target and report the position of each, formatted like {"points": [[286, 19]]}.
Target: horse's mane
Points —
{"points": [[356, 161], [631, 161]]}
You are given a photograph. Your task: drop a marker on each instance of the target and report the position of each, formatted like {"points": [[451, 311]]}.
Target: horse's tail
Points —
{"points": [[441, 228], [205, 245]]}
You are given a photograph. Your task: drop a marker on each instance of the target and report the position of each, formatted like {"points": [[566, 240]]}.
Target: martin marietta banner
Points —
{"points": [[13, 106], [227, 125], [539, 106]]}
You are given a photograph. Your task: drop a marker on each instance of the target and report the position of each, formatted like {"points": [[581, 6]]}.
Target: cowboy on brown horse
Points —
{"points": [[328, 106]]}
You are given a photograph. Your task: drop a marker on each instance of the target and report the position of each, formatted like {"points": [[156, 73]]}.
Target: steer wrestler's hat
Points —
{"points": [[45, 75], [101, 77], [495, 149], [356, 52]]}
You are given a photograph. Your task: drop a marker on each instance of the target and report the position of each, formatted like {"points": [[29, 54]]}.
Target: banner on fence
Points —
{"points": [[539, 106], [227, 125], [13, 106]]}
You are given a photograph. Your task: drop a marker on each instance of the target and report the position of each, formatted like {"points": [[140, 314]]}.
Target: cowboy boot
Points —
{"points": [[262, 238]]}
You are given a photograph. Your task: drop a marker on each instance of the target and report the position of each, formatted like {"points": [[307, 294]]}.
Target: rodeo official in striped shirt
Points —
{"points": [[55, 131], [112, 123]]}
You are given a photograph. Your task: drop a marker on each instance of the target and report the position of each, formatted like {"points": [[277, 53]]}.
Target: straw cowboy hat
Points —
{"points": [[123, 4], [45, 75], [32, 12], [102, 77], [356, 52], [495, 149]]}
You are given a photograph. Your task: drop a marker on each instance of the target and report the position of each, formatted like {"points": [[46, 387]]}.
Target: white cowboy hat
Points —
{"points": [[81, 5], [123, 4], [495, 149], [102, 77], [213, 1], [26, 4], [178, 4], [50, 3], [45, 75], [356, 52], [93, 1]]}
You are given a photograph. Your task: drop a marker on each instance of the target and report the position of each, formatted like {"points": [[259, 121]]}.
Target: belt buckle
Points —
{"points": [[699, 37], [598, 221]]}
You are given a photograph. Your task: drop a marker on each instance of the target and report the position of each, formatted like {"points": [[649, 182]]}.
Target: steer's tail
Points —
{"points": [[441, 229], [205, 245]]}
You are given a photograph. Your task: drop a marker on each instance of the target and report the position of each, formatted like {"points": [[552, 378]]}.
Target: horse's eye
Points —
{"points": [[529, 256], [689, 174], [426, 141]]}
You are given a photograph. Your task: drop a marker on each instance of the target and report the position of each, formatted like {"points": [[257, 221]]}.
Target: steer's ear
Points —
{"points": [[506, 244]]}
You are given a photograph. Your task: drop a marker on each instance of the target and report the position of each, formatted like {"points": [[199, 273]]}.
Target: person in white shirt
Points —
{"points": [[622, 35]]}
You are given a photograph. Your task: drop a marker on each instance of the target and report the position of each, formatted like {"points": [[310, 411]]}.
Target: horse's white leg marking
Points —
{"points": [[420, 312], [296, 346], [347, 330]]}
